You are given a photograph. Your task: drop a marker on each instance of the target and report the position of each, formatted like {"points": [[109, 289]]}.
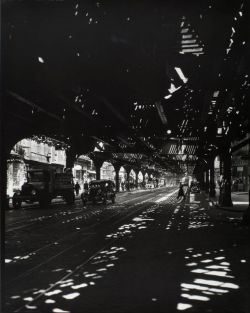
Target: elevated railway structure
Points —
{"points": [[157, 83]]}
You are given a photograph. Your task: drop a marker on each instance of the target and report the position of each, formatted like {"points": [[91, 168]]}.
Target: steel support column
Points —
{"points": [[225, 197], [128, 170], [78, 146], [207, 180], [117, 168], [201, 180], [211, 179], [71, 157], [143, 178], [98, 164], [136, 178], [4, 204]]}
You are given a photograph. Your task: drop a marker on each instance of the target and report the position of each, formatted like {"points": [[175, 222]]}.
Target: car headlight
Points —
{"points": [[33, 192]]}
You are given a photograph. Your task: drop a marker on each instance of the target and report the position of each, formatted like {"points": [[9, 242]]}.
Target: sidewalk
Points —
{"points": [[240, 201], [240, 193]]}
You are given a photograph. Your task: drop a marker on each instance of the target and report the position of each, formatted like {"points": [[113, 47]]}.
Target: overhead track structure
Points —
{"points": [[165, 80]]}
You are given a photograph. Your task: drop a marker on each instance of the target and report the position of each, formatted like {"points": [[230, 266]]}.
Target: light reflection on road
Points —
{"points": [[202, 285], [210, 270]]}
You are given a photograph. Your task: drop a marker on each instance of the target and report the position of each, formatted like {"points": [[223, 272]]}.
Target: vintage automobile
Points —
{"points": [[149, 185], [99, 191], [42, 186]]}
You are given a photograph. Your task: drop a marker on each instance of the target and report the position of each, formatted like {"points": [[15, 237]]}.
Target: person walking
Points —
{"points": [[77, 188], [181, 192]]}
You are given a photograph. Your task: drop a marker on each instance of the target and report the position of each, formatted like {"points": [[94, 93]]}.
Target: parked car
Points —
{"points": [[99, 191], [42, 186], [150, 185]]}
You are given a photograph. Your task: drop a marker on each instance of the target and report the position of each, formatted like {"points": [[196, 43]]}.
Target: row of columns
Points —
{"points": [[128, 169], [71, 157], [207, 178]]}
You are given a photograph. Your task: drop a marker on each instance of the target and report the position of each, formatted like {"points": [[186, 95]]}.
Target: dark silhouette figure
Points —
{"points": [[86, 186], [77, 188], [181, 192]]}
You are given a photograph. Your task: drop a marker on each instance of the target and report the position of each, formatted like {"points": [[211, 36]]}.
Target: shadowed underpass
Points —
{"points": [[125, 156]]}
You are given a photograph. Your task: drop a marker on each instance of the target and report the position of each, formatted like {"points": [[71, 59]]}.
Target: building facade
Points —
{"points": [[240, 169], [30, 154]]}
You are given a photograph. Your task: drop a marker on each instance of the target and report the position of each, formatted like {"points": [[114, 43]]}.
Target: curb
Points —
{"points": [[215, 205]]}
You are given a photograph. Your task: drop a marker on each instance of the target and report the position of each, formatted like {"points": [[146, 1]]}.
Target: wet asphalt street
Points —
{"points": [[148, 252]]}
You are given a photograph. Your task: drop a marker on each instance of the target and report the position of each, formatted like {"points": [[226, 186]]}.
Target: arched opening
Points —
{"points": [[140, 180], [122, 178], [217, 170], [35, 172], [33, 153], [16, 173], [132, 179], [108, 171], [83, 171]]}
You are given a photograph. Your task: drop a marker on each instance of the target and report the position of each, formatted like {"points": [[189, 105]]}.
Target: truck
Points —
{"points": [[43, 185]]}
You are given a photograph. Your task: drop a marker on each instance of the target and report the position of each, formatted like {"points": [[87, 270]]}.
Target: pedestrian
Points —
{"points": [[86, 186], [77, 188], [123, 186], [181, 192]]}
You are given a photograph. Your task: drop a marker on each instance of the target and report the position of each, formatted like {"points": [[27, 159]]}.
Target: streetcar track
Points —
{"points": [[69, 274], [120, 195], [62, 203], [47, 216], [86, 212], [85, 262], [54, 215], [45, 219], [81, 265], [77, 233]]}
